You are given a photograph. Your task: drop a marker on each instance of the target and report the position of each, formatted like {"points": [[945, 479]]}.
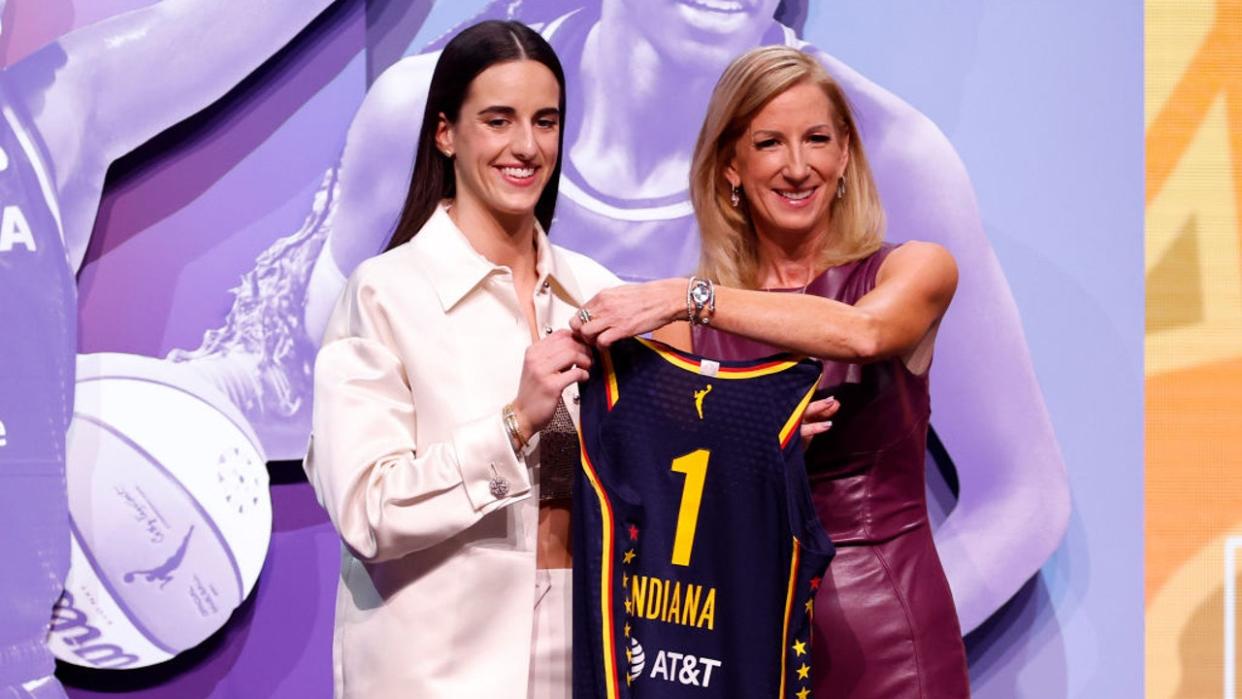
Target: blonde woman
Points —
{"points": [[786, 203]]}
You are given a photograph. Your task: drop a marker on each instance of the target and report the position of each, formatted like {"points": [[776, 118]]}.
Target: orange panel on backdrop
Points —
{"points": [[1193, 345]]}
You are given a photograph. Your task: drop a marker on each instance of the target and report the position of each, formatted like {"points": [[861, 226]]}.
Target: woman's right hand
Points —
{"points": [[549, 366]]}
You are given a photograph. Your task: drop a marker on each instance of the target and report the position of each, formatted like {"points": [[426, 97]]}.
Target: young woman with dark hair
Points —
{"points": [[474, 50], [445, 399]]}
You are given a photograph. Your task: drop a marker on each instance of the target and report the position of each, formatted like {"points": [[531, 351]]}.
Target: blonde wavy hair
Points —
{"points": [[729, 251]]}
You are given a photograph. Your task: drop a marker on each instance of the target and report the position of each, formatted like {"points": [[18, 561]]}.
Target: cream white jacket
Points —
{"points": [[424, 348]]}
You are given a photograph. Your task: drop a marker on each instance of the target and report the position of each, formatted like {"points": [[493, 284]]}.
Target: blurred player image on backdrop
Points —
{"points": [[69, 110]]}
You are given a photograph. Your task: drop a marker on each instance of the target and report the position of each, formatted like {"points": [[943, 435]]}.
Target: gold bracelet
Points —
{"points": [[511, 426]]}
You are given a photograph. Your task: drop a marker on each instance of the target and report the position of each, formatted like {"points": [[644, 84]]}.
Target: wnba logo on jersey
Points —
{"points": [[698, 399]]}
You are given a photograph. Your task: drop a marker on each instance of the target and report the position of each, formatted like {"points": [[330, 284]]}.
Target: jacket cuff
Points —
{"points": [[490, 470]]}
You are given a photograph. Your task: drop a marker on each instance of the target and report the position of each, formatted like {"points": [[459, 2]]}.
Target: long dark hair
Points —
{"points": [[471, 52]]}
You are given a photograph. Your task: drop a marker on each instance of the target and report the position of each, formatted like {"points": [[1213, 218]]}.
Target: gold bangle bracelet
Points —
{"points": [[511, 426]]}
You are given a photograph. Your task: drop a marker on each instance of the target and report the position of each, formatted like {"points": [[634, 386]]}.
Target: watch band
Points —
{"points": [[700, 300]]}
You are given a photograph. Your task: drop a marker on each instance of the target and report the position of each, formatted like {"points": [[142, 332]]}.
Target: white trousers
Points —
{"points": [[551, 661]]}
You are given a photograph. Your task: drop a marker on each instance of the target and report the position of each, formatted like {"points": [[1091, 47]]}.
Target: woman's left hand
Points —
{"points": [[629, 310], [817, 419]]}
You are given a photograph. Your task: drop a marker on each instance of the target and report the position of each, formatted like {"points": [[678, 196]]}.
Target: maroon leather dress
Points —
{"points": [[885, 625]]}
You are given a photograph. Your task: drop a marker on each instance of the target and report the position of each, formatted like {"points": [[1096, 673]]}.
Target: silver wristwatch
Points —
{"points": [[700, 296]]}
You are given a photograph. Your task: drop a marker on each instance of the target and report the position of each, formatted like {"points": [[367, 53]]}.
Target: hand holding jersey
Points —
{"points": [[634, 309], [548, 368], [630, 310]]}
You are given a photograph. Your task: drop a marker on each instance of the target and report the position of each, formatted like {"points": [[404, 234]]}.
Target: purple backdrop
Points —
{"points": [[219, 244]]}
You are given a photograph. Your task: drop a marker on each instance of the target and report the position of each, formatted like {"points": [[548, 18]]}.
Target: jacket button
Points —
{"points": [[499, 487], [547, 330]]}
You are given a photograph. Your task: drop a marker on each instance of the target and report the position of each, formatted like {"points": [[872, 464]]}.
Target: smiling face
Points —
{"points": [[710, 32], [788, 163], [505, 142]]}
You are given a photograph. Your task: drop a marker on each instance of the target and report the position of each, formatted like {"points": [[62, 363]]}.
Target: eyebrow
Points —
{"points": [[498, 110], [501, 110], [768, 133]]}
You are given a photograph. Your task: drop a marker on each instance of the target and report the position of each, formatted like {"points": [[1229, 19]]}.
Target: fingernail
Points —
{"points": [[827, 425]]}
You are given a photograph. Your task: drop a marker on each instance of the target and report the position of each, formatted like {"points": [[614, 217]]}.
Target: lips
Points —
{"points": [[796, 194], [796, 198], [725, 6], [517, 174], [715, 17]]}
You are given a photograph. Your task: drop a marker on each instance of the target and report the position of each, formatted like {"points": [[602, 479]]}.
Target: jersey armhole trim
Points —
{"points": [[795, 418]]}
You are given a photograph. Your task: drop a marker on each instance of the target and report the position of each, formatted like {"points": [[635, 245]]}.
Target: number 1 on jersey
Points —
{"points": [[694, 466]]}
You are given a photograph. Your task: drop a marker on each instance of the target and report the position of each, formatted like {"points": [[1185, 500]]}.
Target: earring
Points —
{"points": [[448, 154], [841, 188], [735, 197]]}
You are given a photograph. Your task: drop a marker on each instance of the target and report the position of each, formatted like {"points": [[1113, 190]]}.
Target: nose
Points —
{"points": [[523, 144], [796, 168]]}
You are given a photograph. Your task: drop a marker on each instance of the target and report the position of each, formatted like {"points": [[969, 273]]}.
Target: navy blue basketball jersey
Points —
{"points": [[697, 551]]}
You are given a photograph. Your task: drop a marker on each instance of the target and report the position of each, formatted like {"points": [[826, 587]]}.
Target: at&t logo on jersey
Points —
{"points": [[671, 666]]}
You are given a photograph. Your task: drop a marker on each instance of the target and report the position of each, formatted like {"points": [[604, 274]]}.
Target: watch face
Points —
{"points": [[700, 294]]}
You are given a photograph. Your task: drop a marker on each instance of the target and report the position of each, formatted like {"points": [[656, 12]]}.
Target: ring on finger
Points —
{"points": [[584, 315]]}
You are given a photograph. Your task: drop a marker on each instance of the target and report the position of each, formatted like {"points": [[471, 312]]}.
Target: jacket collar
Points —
{"points": [[456, 269]]}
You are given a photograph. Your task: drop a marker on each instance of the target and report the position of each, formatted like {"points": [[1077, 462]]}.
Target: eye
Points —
{"points": [[765, 143], [547, 123], [497, 122], [820, 138]]}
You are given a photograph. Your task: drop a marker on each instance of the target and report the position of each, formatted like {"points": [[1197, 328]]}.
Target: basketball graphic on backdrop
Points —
{"points": [[169, 511]]}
